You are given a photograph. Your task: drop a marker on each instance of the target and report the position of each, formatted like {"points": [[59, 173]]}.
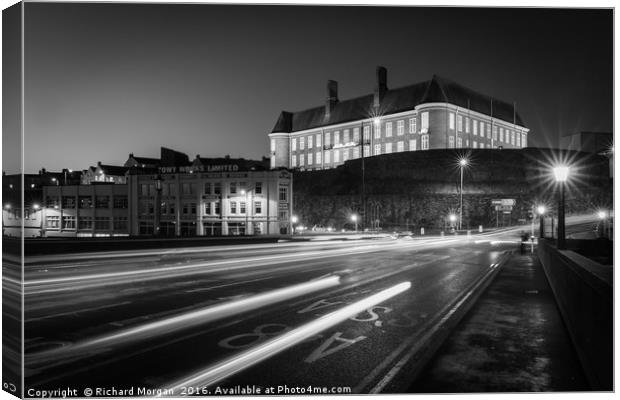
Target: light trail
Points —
{"points": [[274, 346], [186, 320]]}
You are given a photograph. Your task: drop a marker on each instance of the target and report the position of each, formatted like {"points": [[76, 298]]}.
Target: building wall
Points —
{"points": [[85, 210], [211, 204], [338, 144]]}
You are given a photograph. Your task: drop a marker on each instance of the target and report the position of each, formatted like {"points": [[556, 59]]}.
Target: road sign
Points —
{"points": [[503, 202]]}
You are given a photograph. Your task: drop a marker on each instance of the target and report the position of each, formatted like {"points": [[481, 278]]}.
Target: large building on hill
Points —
{"points": [[435, 114]]}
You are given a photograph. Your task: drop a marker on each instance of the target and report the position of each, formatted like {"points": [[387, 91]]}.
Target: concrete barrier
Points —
{"points": [[583, 290]]}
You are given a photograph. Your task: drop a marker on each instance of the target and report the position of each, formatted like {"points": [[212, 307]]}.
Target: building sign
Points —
{"points": [[199, 168]]}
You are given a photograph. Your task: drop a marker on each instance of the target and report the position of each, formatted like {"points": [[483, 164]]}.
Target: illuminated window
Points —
{"points": [[293, 160], [336, 137], [356, 135], [318, 140], [425, 123], [377, 149], [301, 143], [459, 142], [412, 145], [388, 148], [467, 125], [475, 128], [424, 142], [388, 129], [318, 157], [451, 142], [345, 136], [294, 144], [459, 123], [412, 125], [400, 146], [233, 207], [400, 128], [309, 142], [451, 121]]}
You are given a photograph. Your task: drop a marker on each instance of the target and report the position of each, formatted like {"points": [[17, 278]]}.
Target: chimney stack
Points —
{"points": [[332, 97], [381, 87]]}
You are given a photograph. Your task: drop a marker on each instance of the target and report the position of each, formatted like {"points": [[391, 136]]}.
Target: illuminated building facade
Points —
{"points": [[435, 114]]}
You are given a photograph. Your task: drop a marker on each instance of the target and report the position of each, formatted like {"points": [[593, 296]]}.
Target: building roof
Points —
{"points": [[113, 170], [436, 90]]}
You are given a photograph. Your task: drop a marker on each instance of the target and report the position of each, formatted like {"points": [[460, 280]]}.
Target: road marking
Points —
{"points": [[321, 351], [189, 319], [276, 345]]}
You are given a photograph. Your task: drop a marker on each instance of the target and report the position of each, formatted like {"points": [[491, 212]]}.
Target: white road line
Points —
{"points": [[268, 349]]}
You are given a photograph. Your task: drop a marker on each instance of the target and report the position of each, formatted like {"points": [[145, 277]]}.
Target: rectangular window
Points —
{"points": [[120, 202], [366, 150], [102, 223], [345, 155], [120, 223], [518, 140], [388, 129], [233, 187], [495, 132], [400, 128], [293, 161], [377, 134], [523, 140], [451, 142], [459, 123], [411, 125], [328, 138], [482, 145], [356, 135], [425, 123], [258, 207], [488, 131], [377, 149], [68, 202], [318, 140], [258, 188], [476, 128], [85, 202], [400, 146], [412, 145], [102, 202], [51, 202], [466, 124], [242, 207], [52, 222], [302, 160], [501, 135], [218, 210], [345, 136], [318, 157], [459, 142], [294, 144], [475, 144], [512, 138], [356, 152], [424, 142], [208, 208], [85, 223], [336, 137], [283, 193], [336, 156], [273, 145], [328, 156], [68, 222], [309, 142], [217, 187], [481, 128], [388, 148], [233, 207], [207, 189], [310, 159], [302, 143], [187, 188], [451, 121], [366, 134]]}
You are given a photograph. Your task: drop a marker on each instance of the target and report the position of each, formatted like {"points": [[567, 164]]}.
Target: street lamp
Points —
{"points": [[56, 181], [462, 163], [293, 222], [65, 171], [561, 176], [35, 206], [541, 212], [354, 219], [452, 219]]}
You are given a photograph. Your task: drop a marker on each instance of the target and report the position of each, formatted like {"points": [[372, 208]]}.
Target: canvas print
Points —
{"points": [[233, 199]]}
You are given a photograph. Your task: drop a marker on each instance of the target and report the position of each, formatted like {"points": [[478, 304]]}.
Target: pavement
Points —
{"points": [[513, 339]]}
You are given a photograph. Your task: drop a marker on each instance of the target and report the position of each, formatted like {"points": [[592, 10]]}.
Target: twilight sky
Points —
{"points": [[104, 80]]}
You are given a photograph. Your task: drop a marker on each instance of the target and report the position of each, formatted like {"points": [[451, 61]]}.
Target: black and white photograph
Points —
{"points": [[211, 199]]}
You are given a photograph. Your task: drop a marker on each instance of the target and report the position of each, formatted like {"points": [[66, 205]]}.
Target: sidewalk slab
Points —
{"points": [[512, 340]]}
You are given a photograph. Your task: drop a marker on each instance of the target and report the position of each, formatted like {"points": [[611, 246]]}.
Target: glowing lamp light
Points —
{"points": [[377, 120], [7, 206], [353, 218], [541, 210], [243, 192], [463, 162], [452, 217], [294, 219], [561, 173], [602, 215], [35, 206]]}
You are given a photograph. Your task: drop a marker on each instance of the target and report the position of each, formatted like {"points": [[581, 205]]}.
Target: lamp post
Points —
{"points": [[65, 171], [55, 181], [354, 219], [602, 215], [293, 222], [462, 162], [452, 219], [561, 176], [541, 212], [158, 184]]}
